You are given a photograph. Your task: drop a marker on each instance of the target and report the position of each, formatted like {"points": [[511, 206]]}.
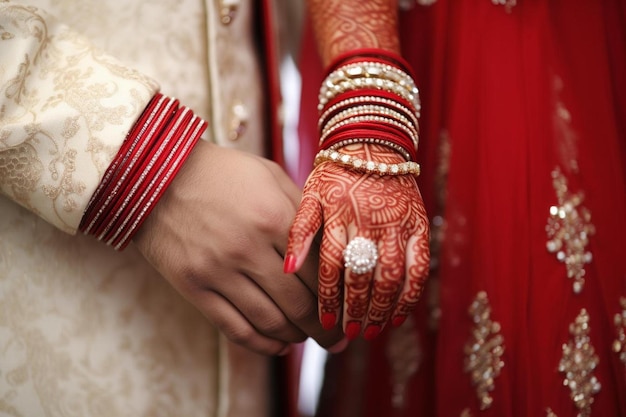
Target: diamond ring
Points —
{"points": [[360, 255]]}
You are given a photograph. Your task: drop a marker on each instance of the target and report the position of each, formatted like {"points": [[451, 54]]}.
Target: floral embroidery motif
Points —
{"points": [[484, 350], [578, 362], [568, 230], [619, 345], [405, 356], [550, 413], [20, 172]]}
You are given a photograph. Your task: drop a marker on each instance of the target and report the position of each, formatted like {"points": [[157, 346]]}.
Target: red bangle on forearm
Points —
{"points": [[373, 134], [369, 96], [145, 165]]}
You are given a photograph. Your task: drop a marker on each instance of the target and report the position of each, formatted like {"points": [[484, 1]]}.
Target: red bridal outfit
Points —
{"points": [[523, 153]]}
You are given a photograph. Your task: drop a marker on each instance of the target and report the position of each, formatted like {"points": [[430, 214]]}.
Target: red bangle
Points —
{"points": [[379, 122], [125, 164], [152, 154], [144, 204], [378, 131], [363, 105], [134, 175], [378, 138]]}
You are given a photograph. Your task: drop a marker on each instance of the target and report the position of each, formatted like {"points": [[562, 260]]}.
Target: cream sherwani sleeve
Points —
{"points": [[86, 331], [65, 109]]}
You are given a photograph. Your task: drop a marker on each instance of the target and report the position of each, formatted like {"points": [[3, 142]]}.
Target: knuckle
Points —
{"points": [[195, 276], [238, 247]]}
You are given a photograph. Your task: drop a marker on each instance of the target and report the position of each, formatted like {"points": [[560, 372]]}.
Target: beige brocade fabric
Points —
{"points": [[86, 331]]}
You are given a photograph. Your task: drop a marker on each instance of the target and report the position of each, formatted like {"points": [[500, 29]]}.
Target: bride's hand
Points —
{"points": [[388, 211]]}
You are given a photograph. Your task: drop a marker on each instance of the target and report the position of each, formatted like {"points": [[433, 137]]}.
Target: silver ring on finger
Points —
{"points": [[360, 255]]}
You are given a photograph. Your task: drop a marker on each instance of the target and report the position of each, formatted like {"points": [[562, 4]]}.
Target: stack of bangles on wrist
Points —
{"points": [[369, 96], [152, 154]]}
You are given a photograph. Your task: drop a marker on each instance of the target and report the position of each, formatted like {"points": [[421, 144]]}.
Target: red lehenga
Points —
{"points": [[523, 152]]}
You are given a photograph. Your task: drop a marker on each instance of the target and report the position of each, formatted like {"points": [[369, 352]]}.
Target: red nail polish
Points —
{"points": [[371, 332], [398, 320], [290, 264], [353, 329], [329, 320]]}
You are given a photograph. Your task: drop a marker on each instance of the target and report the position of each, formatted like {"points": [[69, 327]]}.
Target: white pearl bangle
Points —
{"points": [[367, 167]]}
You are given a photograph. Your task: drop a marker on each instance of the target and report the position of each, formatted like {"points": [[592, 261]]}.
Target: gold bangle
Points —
{"points": [[350, 102], [367, 167], [369, 75]]}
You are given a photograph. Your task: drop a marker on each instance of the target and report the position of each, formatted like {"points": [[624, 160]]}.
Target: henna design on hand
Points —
{"points": [[388, 210], [343, 25]]}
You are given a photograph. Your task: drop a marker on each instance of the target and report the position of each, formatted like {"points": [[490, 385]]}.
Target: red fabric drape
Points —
{"points": [[514, 95]]}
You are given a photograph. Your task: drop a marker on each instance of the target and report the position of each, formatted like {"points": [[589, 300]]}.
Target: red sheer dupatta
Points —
{"points": [[528, 96]]}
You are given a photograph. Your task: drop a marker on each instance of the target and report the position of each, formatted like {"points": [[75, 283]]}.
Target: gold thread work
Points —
{"points": [[578, 363], [484, 350], [569, 227], [619, 344]]}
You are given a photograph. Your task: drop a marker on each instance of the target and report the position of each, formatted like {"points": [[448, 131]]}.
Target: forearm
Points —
{"points": [[362, 191], [344, 25], [85, 141]]}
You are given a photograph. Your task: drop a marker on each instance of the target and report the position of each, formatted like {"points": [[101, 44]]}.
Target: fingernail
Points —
{"points": [[353, 329], [290, 264], [398, 320], [329, 320], [371, 332]]}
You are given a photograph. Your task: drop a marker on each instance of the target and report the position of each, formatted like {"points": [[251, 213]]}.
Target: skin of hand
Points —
{"points": [[386, 209], [217, 236]]}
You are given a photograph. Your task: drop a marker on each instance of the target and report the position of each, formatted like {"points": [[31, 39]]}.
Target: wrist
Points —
{"points": [[369, 109]]}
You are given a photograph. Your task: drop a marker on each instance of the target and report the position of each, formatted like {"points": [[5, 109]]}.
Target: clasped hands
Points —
{"points": [[223, 249]]}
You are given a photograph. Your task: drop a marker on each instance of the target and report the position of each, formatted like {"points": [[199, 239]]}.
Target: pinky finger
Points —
{"points": [[418, 261], [226, 318]]}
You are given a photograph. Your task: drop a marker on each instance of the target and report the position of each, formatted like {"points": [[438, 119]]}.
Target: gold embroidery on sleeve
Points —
{"points": [[619, 345], [20, 172], [484, 350], [578, 362], [569, 227]]}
